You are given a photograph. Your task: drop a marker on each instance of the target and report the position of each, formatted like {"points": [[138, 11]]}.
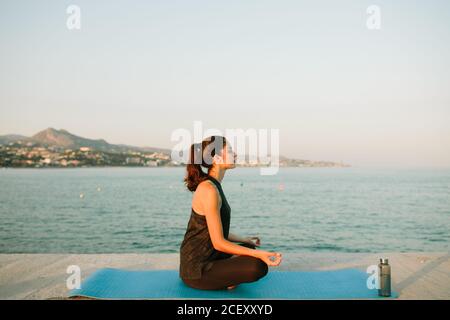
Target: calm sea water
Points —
{"points": [[146, 210]]}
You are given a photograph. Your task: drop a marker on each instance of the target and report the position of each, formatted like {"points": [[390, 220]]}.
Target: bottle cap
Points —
{"points": [[384, 261]]}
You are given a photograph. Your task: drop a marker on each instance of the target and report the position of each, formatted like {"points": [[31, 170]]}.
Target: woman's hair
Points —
{"points": [[201, 155]]}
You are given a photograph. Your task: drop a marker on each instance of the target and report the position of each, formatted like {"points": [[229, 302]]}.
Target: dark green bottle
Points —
{"points": [[385, 278]]}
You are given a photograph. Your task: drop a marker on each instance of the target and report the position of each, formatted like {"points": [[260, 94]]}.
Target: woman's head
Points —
{"points": [[213, 152]]}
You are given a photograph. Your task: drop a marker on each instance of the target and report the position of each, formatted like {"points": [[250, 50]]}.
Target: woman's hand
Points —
{"points": [[249, 240], [270, 258]]}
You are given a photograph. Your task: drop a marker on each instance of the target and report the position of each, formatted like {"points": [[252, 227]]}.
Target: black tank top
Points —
{"points": [[196, 250]]}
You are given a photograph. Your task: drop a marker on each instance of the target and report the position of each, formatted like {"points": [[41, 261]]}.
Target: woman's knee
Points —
{"points": [[258, 269], [264, 269]]}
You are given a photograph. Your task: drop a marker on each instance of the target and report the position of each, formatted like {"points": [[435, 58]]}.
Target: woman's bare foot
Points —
{"points": [[232, 287]]}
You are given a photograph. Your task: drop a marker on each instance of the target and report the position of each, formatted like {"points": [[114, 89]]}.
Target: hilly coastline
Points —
{"points": [[60, 148]]}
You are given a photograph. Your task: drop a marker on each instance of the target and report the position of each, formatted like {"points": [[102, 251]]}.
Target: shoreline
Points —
{"points": [[180, 166], [360, 167], [415, 275]]}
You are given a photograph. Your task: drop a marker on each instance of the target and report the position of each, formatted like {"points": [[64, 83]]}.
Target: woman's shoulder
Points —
{"points": [[207, 188], [206, 185]]}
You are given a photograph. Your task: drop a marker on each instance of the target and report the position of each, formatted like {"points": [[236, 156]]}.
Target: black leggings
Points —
{"points": [[227, 271]]}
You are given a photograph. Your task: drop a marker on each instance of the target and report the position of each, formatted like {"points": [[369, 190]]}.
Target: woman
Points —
{"points": [[208, 257]]}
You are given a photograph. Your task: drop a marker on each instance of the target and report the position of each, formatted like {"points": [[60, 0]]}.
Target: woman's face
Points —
{"points": [[228, 157]]}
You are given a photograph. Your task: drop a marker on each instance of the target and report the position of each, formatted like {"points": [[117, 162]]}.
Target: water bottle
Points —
{"points": [[385, 278]]}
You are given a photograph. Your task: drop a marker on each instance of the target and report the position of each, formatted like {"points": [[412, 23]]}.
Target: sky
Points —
{"points": [[138, 70]]}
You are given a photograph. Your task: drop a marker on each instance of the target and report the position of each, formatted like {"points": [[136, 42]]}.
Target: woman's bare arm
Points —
{"points": [[210, 201]]}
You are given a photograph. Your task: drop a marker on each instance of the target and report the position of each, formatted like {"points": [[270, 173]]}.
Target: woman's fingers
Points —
{"points": [[275, 263], [271, 258], [277, 260], [258, 241], [274, 258]]}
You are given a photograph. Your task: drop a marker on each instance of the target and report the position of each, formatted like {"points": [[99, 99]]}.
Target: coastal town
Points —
{"points": [[61, 149], [31, 155]]}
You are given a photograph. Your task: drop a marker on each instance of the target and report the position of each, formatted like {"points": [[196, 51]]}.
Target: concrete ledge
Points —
{"points": [[43, 276]]}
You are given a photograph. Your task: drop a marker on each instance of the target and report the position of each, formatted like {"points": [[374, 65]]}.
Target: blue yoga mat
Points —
{"points": [[165, 284]]}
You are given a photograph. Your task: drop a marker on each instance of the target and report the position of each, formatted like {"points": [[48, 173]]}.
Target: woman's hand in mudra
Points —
{"points": [[249, 240], [270, 258]]}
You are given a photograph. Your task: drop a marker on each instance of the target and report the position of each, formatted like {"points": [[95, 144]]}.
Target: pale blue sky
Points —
{"points": [[137, 70]]}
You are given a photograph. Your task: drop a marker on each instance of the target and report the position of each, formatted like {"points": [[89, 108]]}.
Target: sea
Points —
{"points": [[146, 210]]}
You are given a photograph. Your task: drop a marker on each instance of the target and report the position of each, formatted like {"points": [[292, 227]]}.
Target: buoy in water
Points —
{"points": [[81, 195]]}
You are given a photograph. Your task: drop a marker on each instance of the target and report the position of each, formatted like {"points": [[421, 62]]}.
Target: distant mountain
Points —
{"points": [[12, 138], [64, 139]]}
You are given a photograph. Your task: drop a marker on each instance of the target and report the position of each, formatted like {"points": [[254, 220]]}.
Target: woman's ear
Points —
{"points": [[218, 159]]}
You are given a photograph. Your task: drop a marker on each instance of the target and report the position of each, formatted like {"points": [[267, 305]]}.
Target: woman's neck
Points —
{"points": [[217, 173]]}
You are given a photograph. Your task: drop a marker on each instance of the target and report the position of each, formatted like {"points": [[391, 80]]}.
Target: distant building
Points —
{"points": [[152, 163], [133, 160], [75, 163], [85, 149]]}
